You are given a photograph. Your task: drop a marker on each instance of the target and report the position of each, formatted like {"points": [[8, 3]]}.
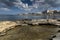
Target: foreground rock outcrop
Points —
{"points": [[20, 30], [42, 32], [6, 25]]}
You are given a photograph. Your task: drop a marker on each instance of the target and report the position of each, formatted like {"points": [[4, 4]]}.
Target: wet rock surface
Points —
{"points": [[42, 32]]}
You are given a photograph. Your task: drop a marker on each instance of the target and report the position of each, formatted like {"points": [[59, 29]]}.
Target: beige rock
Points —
{"points": [[5, 25]]}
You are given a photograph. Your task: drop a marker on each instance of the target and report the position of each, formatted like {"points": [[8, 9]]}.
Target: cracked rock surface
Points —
{"points": [[42, 32]]}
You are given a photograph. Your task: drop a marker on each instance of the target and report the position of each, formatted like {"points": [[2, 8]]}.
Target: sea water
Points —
{"points": [[18, 17]]}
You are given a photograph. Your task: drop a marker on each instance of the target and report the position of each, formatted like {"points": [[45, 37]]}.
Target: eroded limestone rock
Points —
{"points": [[5, 25]]}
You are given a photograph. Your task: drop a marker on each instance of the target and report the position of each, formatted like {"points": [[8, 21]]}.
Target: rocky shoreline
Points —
{"points": [[8, 25], [29, 32]]}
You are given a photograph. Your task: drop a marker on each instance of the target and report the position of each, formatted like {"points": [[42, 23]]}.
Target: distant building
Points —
{"points": [[53, 11], [50, 11]]}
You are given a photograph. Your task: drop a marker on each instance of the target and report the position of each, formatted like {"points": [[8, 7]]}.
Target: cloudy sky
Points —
{"points": [[27, 6]]}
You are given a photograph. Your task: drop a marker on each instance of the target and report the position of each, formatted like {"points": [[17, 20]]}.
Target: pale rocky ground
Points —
{"points": [[42, 32], [5, 25]]}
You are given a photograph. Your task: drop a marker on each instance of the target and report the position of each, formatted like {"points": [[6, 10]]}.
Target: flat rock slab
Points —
{"points": [[29, 33], [56, 38], [5, 25]]}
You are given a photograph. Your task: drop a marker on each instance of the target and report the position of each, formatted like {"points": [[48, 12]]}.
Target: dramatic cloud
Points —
{"points": [[29, 5], [5, 9]]}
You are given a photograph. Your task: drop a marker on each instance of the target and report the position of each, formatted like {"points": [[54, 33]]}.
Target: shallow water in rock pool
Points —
{"points": [[42, 32]]}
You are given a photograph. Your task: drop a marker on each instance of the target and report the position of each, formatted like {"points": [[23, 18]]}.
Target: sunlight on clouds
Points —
{"points": [[36, 5], [5, 9]]}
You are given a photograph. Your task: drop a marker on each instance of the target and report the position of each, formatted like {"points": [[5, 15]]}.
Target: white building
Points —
{"points": [[50, 11]]}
